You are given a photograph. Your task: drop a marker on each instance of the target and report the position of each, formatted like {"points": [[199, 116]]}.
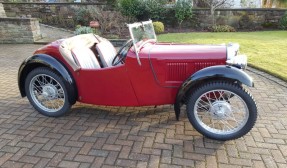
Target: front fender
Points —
{"points": [[211, 73], [43, 60]]}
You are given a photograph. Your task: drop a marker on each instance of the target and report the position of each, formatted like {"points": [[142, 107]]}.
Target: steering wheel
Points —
{"points": [[122, 53]]}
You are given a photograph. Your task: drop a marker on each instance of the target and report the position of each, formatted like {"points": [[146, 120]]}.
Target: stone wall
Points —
{"points": [[2, 11], [19, 30], [62, 15], [56, 14], [241, 19], [256, 18], [38, 10]]}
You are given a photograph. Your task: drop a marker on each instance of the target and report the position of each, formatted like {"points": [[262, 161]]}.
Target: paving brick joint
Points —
{"points": [[98, 136]]}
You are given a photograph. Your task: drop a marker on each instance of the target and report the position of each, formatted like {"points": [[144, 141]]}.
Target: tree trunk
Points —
{"points": [[212, 11]]}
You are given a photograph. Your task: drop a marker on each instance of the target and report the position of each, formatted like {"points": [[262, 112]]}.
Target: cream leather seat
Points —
{"points": [[85, 41], [107, 52], [85, 57]]}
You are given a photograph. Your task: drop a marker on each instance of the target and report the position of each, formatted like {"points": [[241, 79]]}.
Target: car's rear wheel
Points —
{"points": [[46, 92], [221, 110]]}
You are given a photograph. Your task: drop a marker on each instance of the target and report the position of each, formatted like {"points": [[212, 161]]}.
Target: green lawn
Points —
{"points": [[266, 50]]}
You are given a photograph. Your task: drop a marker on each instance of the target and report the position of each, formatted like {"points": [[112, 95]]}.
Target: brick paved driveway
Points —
{"points": [[93, 136]]}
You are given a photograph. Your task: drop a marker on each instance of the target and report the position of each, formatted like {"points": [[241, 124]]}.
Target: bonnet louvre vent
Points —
{"points": [[199, 66], [176, 71]]}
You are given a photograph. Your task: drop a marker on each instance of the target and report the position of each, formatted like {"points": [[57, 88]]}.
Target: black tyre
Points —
{"points": [[221, 110], [46, 92]]}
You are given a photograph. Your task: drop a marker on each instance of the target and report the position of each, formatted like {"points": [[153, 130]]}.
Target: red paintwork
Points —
{"points": [[164, 67]]}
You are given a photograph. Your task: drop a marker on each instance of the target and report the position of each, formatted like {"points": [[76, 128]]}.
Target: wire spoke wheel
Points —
{"points": [[46, 92], [221, 110]]}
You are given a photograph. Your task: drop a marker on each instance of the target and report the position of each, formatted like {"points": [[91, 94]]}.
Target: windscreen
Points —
{"points": [[143, 32]]}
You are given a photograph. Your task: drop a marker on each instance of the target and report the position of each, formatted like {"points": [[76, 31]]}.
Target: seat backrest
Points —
{"points": [[82, 40], [107, 52], [85, 57]]}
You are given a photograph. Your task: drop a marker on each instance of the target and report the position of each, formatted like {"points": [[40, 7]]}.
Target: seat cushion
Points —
{"points": [[85, 57], [107, 52]]}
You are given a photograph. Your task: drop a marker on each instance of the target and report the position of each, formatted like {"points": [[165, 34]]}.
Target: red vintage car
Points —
{"points": [[208, 79]]}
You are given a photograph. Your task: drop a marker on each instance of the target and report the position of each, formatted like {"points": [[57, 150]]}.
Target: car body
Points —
{"points": [[142, 73]]}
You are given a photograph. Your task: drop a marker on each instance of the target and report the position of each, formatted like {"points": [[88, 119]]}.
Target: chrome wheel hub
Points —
{"points": [[49, 91], [220, 109]]}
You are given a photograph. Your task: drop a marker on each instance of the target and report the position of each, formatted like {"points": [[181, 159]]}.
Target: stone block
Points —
{"points": [[2, 11], [19, 30]]}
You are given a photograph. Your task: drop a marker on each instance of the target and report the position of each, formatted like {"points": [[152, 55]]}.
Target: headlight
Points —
{"points": [[239, 61], [233, 58]]}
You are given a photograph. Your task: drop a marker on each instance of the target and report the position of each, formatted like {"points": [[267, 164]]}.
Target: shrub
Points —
{"points": [[283, 22], [83, 16], [84, 30], [183, 10], [78, 26], [111, 22], [143, 10], [268, 25], [155, 9], [222, 28], [158, 27], [131, 8], [247, 21]]}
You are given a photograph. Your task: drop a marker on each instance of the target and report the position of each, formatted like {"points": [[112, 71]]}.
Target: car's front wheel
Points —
{"points": [[221, 110], [46, 92]]}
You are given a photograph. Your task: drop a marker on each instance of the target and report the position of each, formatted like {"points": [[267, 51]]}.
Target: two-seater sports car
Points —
{"points": [[208, 79]]}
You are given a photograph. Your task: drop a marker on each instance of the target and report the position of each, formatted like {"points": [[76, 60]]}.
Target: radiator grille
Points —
{"points": [[176, 71]]}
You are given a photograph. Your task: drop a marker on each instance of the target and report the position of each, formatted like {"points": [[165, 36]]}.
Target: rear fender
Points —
{"points": [[43, 60], [221, 72]]}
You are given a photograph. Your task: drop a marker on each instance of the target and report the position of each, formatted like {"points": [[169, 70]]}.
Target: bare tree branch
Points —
{"points": [[215, 4]]}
